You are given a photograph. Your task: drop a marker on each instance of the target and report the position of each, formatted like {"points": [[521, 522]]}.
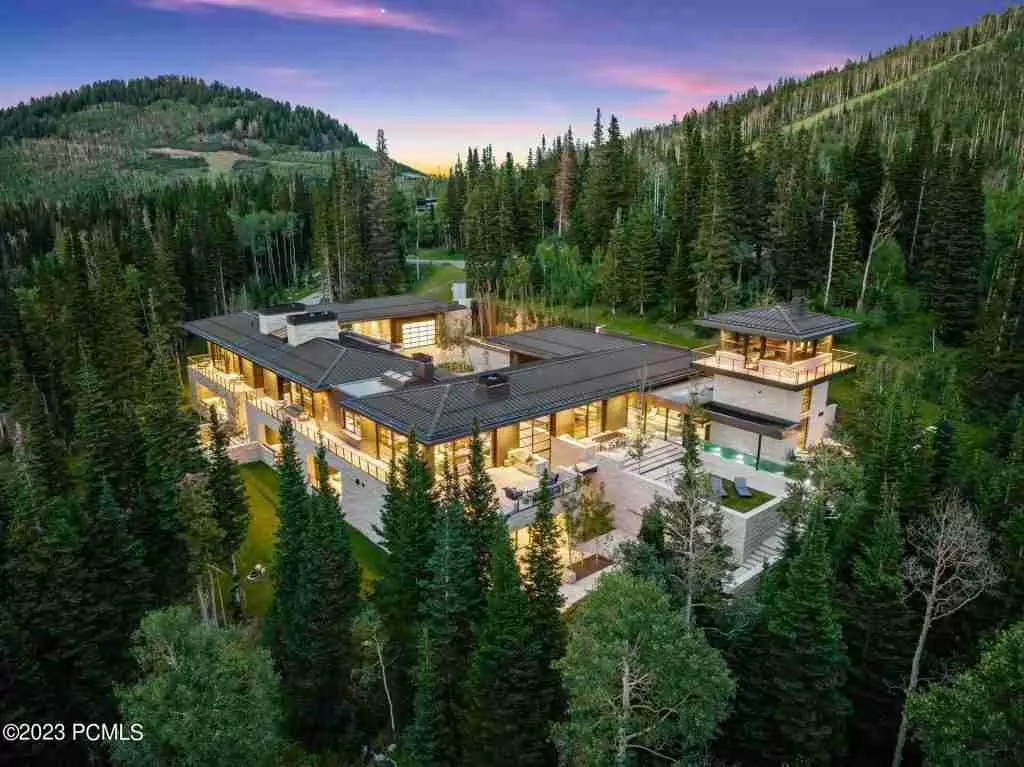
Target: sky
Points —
{"points": [[442, 75]]}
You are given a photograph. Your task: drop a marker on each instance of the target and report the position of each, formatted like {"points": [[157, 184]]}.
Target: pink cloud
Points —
{"points": [[677, 90], [341, 11]]}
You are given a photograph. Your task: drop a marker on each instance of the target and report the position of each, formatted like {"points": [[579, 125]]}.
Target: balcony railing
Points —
{"points": [[796, 373], [301, 421]]}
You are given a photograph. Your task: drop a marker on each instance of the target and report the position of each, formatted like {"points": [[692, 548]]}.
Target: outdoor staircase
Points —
{"points": [[762, 557]]}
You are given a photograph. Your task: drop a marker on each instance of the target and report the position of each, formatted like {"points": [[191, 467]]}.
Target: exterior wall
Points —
{"points": [[746, 441], [234, 406], [362, 496], [820, 417], [483, 356], [760, 397], [299, 334]]}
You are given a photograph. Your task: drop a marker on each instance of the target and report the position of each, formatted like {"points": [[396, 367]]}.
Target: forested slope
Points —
{"points": [[133, 136]]}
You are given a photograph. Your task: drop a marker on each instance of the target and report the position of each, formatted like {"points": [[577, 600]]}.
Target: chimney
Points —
{"points": [[494, 384], [424, 367], [305, 327], [799, 304], [273, 318]]}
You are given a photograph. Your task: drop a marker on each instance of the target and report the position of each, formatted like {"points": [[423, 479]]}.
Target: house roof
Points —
{"points": [[791, 321], [749, 420], [559, 341], [384, 307], [319, 363], [441, 412]]}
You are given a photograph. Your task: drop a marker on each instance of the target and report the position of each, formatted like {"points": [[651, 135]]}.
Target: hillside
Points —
{"points": [[969, 77], [141, 134]]}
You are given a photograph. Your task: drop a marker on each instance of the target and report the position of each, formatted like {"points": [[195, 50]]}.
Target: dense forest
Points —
{"points": [[888, 632]]}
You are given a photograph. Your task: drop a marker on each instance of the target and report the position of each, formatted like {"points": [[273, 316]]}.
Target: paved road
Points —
{"points": [[460, 263]]}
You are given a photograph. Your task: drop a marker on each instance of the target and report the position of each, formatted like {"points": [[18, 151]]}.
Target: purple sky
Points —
{"points": [[438, 76]]}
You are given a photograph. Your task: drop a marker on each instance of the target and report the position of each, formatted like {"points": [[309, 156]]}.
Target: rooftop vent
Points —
{"points": [[424, 366], [394, 379], [493, 383]]}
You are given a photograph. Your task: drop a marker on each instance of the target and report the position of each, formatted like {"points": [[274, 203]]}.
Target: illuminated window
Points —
{"points": [[416, 334]]}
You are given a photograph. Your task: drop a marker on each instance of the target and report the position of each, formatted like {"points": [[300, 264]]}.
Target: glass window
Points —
{"points": [[420, 333]]}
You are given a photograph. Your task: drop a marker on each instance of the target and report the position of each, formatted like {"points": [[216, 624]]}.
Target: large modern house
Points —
{"points": [[362, 378]]}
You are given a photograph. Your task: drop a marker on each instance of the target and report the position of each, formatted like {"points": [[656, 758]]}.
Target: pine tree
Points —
{"points": [[543, 583], [230, 506], [846, 263], [483, 511], [407, 530], [867, 174], [712, 250], [791, 707], [954, 244], [877, 630], [508, 726], [436, 736], [321, 710], [612, 266], [641, 268], [285, 618]]}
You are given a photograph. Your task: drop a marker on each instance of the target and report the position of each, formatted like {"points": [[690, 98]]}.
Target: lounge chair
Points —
{"points": [[717, 487], [741, 487]]}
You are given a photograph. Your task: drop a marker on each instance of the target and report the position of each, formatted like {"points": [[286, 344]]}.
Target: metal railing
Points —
{"points": [[303, 424], [560, 489], [795, 373]]}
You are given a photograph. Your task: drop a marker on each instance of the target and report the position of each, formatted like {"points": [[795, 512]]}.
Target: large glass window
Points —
{"points": [[535, 436], [392, 443], [419, 333], [456, 453]]}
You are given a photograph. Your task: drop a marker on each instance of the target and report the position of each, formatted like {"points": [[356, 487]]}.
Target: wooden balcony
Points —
{"points": [[787, 375]]}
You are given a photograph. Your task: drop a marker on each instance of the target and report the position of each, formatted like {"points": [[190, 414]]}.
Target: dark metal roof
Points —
{"points": [[384, 307], [559, 341], [319, 363], [283, 309], [310, 318], [791, 321], [443, 412], [748, 420]]}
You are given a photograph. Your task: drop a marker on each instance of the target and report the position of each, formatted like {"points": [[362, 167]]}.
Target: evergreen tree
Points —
{"points": [[954, 244], [543, 583], [846, 263], [436, 736], [321, 710], [230, 507], [876, 624], [506, 724], [285, 621], [641, 267], [713, 247], [407, 530], [613, 267], [483, 511], [867, 174], [790, 705]]}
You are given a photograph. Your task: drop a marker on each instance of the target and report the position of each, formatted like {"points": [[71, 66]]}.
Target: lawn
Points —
{"points": [[261, 489], [743, 505], [435, 281]]}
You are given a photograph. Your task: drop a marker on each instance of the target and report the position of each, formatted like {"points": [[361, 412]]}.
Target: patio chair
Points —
{"points": [[741, 487], [717, 487]]}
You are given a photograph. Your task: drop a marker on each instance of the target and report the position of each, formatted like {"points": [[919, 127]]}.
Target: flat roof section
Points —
{"points": [[319, 363], [440, 413], [749, 420], [559, 341], [384, 307], [790, 321]]}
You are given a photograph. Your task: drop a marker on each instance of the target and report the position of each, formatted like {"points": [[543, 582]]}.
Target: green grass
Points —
{"points": [[436, 281], [261, 490], [644, 328], [743, 505]]}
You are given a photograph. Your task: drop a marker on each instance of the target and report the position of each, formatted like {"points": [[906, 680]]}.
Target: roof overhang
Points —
{"points": [[748, 420]]}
